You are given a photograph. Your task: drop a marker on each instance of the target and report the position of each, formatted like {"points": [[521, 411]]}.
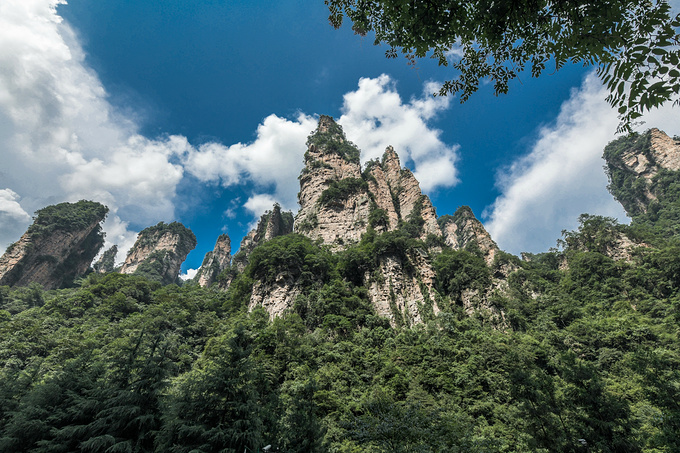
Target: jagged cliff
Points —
{"points": [[397, 192], [338, 202], [463, 231], [106, 262], [159, 252], [380, 209], [333, 197], [215, 262], [639, 167], [57, 248], [272, 224]]}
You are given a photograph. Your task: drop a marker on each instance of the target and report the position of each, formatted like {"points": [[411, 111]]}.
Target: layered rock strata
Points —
{"points": [[334, 200], [277, 297], [57, 248], [402, 288], [159, 252], [339, 204], [405, 199]]}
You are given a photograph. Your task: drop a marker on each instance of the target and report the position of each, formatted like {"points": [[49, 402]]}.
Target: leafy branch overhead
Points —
{"points": [[633, 43]]}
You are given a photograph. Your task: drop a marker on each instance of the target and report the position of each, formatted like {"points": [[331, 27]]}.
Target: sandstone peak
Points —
{"points": [[463, 231], [333, 197], [272, 224], [214, 262], [57, 248], [338, 202], [326, 124], [635, 162], [160, 251]]}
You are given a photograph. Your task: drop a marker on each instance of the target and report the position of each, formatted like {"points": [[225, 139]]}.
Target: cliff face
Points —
{"points": [[397, 192], [401, 289], [463, 231], [159, 252], [638, 165], [57, 248], [338, 203], [334, 200], [272, 224], [275, 297], [215, 262]]}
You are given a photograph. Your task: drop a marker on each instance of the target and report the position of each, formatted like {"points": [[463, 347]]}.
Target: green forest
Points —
{"points": [[586, 357]]}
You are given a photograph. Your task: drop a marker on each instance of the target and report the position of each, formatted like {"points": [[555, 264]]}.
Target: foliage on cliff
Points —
{"points": [[123, 364], [67, 217], [334, 141], [588, 359], [654, 204], [150, 236], [624, 185], [633, 43], [57, 248]]}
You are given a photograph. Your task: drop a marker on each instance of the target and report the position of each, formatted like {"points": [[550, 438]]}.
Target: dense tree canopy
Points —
{"points": [[584, 356], [633, 43]]}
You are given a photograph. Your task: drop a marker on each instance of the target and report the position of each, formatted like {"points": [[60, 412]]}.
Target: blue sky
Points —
{"points": [[198, 112]]}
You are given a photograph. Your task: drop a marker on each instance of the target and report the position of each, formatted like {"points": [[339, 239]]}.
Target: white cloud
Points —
{"points": [[258, 204], [562, 176], [191, 273], [118, 233], [61, 139], [12, 217], [273, 160], [9, 205], [374, 117]]}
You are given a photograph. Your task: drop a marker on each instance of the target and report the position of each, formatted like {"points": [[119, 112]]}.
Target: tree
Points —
{"points": [[633, 43]]}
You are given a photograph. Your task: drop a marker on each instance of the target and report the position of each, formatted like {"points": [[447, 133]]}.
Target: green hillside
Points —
{"points": [[586, 357]]}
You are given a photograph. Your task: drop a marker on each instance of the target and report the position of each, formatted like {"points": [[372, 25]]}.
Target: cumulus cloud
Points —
{"points": [[61, 139], [273, 160], [12, 216], [190, 273], [562, 176], [258, 204], [374, 116]]}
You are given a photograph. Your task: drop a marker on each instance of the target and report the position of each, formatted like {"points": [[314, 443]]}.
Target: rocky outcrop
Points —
{"points": [[277, 297], [401, 288], [408, 199], [463, 231], [333, 197], [106, 262], [634, 163], [57, 248], [272, 224], [159, 252], [215, 262], [338, 203]]}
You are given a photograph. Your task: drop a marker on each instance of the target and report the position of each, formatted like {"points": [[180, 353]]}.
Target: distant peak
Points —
{"points": [[327, 124], [329, 138]]}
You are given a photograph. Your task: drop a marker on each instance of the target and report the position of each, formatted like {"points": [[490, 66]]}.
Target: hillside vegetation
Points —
{"points": [[586, 357]]}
